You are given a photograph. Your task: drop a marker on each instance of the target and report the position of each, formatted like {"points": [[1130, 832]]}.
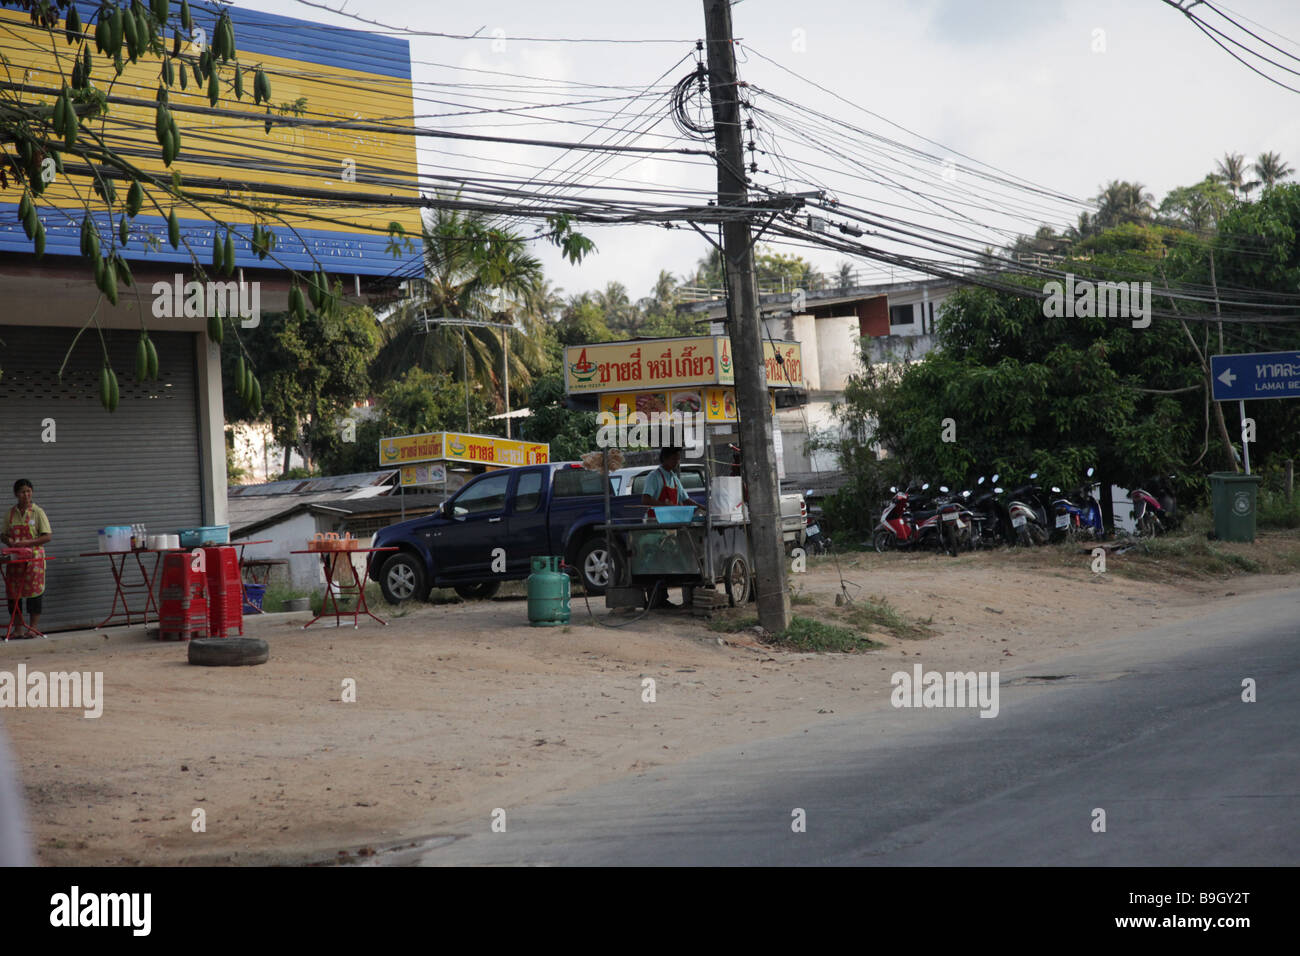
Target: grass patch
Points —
{"points": [[1274, 511], [732, 624], [803, 634], [802, 599], [276, 594], [877, 612], [810, 634]]}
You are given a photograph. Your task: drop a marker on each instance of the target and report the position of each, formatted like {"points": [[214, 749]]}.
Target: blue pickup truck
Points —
{"points": [[536, 510]]}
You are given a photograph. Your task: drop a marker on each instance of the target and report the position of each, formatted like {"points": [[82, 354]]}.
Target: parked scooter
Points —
{"points": [[990, 523], [814, 539], [908, 521], [1028, 513], [1156, 513], [1077, 515]]}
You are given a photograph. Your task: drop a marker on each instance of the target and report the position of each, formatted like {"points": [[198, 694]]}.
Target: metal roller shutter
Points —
{"points": [[139, 464]]}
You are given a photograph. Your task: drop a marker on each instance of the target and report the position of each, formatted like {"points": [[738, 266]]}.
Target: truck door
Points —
{"points": [[463, 547], [528, 523]]}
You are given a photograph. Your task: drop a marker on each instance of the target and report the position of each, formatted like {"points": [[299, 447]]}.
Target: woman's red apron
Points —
{"points": [[25, 579]]}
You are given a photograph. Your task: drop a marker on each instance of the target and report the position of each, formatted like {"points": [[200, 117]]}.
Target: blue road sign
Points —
{"points": [[1255, 375]]}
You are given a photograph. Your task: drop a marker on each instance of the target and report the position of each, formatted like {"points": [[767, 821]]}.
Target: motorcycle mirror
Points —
{"points": [[893, 489], [1090, 471], [994, 479], [926, 486], [965, 494], [981, 480], [1033, 475], [944, 489], [997, 491], [1055, 490], [808, 493]]}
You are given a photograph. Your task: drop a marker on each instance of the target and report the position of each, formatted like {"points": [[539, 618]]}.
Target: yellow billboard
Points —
{"points": [[332, 187], [660, 366], [458, 446]]}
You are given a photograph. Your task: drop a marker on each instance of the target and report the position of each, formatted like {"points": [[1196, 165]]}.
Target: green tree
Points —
{"points": [[1120, 201], [1271, 169], [1231, 171], [476, 271], [315, 368], [1199, 207], [415, 402], [570, 433]]}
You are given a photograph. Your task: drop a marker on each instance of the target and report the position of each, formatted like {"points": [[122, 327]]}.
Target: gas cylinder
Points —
{"points": [[548, 592]]}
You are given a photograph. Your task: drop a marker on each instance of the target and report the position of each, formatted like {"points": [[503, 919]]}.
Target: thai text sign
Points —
{"points": [[652, 364], [457, 446]]}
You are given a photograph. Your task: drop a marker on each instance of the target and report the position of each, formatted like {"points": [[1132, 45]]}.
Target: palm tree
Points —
{"points": [[1271, 169], [472, 270], [845, 276], [1231, 171], [619, 311], [1120, 202], [1085, 226]]}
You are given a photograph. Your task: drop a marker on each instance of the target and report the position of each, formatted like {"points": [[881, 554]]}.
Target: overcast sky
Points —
{"points": [[1029, 86]]}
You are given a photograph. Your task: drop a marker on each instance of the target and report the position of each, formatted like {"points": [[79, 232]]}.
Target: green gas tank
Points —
{"points": [[548, 593]]}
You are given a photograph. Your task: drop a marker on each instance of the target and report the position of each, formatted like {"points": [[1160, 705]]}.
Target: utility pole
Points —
{"points": [[755, 426]]}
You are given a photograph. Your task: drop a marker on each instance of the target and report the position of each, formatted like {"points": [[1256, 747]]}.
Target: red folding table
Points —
{"points": [[117, 563], [330, 561]]}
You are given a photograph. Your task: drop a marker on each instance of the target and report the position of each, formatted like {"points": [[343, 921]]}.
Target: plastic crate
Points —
{"points": [[204, 535], [253, 595]]}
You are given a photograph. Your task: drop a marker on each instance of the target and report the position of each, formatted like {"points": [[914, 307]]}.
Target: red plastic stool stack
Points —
{"points": [[184, 593], [225, 591]]}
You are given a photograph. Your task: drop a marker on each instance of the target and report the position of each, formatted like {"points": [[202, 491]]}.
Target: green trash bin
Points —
{"points": [[1234, 505]]}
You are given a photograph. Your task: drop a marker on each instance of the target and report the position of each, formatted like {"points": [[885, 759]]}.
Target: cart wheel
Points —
{"points": [[736, 580]]}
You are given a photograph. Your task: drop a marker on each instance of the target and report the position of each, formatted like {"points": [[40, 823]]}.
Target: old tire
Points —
{"points": [[599, 567], [478, 592], [883, 541], [736, 580], [227, 651], [402, 577]]}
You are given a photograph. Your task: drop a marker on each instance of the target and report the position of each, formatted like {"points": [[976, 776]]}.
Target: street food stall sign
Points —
{"points": [[457, 446], [653, 364]]}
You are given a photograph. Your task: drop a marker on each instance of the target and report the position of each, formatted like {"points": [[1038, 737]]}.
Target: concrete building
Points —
{"points": [[837, 329]]}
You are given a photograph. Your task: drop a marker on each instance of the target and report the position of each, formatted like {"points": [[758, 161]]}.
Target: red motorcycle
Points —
{"points": [[901, 527]]}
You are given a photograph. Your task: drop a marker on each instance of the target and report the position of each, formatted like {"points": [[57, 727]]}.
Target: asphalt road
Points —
{"points": [[1150, 728]]}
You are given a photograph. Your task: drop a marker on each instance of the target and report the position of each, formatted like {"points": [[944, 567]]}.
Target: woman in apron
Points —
{"points": [[25, 525]]}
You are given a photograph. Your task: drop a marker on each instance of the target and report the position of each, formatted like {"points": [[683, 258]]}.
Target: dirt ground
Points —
{"points": [[463, 708]]}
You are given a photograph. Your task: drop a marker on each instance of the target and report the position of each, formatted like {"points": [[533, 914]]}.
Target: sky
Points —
{"points": [[1067, 94]]}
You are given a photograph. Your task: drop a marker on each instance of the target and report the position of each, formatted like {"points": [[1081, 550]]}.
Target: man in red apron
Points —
{"points": [[26, 526], [664, 486]]}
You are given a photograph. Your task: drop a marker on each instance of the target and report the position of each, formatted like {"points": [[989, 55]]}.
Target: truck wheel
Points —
{"points": [[599, 567], [736, 580], [478, 592], [402, 577]]}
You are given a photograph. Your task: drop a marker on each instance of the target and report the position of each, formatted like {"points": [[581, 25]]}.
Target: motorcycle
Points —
{"points": [[990, 523], [1028, 513], [955, 522], [1077, 515], [814, 540], [902, 526], [1157, 513]]}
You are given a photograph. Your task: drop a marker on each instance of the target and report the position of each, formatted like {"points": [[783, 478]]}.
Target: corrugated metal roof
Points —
{"points": [[370, 482]]}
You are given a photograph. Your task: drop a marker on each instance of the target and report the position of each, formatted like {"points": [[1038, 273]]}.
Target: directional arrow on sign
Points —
{"points": [[1227, 378]]}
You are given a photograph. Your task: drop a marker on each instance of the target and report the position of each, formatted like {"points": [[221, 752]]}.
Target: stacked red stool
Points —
{"points": [[225, 592], [184, 594]]}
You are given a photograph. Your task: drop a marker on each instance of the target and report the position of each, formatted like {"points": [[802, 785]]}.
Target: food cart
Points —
{"points": [[633, 383]]}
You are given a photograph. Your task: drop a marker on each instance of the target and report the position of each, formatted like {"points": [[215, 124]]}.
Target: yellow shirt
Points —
{"points": [[34, 518]]}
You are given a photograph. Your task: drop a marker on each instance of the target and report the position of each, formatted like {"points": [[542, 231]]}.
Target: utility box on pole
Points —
{"points": [[759, 458]]}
